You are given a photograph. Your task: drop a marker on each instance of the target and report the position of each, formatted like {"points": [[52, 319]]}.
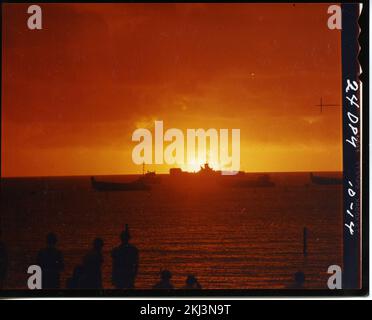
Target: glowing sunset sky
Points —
{"points": [[74, 92]]}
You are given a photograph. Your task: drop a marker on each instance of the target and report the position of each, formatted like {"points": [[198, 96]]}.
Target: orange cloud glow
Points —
{"points": [[74, 91]]}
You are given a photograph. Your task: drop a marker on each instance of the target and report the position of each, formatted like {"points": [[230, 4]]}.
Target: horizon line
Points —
{"points": [[139, 174]]}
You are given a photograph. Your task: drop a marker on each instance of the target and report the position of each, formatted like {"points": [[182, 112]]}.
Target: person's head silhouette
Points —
{"points": [[299, 278], [165, 275], [51, 240], [125, 236], [98, 244], [190, 280]]}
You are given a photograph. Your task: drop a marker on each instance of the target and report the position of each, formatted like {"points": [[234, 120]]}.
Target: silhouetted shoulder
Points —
{"points": [[115, 252], [127, 249], [133, 249], [93, 258]]}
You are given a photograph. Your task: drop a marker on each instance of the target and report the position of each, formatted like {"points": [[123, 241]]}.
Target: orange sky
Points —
{"points": [[74, 92]]}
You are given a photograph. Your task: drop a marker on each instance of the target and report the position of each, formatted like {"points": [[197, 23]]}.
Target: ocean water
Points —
{"points": [[230, 238]]}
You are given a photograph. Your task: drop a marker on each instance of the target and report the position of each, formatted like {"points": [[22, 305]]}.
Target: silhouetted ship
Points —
{"points": [[150, 177], [204, 172], [212, 177], [137, 185], [325, 180]]}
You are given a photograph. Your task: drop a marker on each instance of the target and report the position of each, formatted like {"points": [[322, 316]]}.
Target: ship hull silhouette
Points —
{"points": [[137, 185], [324, 180]]}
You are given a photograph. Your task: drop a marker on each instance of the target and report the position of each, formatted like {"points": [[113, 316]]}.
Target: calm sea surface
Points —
{"points": [[229, 238]]}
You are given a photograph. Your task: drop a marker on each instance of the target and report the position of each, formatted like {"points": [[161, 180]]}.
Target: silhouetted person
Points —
{"points": [[299, 280], [3, 263], [164, 283], [50, 260], [74, 282], [124, 262], [92, 263], [192, 282]]}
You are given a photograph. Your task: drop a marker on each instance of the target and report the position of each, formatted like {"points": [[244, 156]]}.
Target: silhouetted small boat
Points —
{"points": [[325, 180], [137, 185]]}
